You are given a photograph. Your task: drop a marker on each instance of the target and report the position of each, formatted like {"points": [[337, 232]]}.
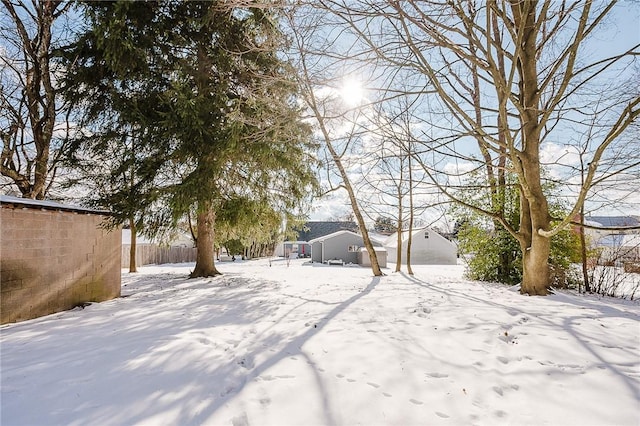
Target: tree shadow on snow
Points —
{"points": [[593, 310], [160, 340]]}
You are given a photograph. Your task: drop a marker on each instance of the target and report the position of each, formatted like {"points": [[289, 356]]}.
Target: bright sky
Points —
{"points": [[621, 31]]}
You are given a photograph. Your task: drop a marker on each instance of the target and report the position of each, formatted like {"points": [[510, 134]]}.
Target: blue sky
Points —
{"points": [[621, 31]]}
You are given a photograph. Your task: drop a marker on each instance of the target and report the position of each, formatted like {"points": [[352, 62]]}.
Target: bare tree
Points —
{"points": [[32, 112], [510, 76], [389, 182], [393, 125], [315, 78]]}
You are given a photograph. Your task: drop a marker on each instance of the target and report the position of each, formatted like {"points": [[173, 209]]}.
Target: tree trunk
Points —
{"points": [[409, 242], [375, 266], [534, 216], [583, 254], [399, 248], [534, 209], [410, 235], [399, 227], [132, 248], [206, 218], [535, 267]]}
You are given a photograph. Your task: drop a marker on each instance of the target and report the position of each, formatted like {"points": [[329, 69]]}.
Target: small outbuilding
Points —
{"points": [[427, 248], [341, 245], [301, 247], [54, 257], [365, 260]]}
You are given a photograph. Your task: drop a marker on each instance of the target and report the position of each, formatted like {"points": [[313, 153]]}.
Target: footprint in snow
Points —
{"points": [[415, 401], [241, 420], [246, 362], [375, 385], [227, 390], [503, 359], [286, 376], [265, 401], [437, 375], [443, 415]]}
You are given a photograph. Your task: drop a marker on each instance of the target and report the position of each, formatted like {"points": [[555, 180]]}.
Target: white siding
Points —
{"points": [[434, 250]]}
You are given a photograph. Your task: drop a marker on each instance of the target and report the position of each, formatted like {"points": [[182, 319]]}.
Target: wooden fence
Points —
{"points": [[632, 267], [147, 254]]}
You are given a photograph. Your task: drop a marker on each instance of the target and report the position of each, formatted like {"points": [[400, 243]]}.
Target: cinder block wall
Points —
{"points": [[52, 260]]}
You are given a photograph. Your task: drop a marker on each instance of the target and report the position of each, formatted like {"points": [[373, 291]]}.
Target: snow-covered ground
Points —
{"points": [[312, 344]]}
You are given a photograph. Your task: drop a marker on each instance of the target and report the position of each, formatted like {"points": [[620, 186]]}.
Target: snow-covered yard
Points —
{"points": [[315, 344]]}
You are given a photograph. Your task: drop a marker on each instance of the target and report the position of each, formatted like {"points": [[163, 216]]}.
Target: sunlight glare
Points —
{"points": [[352, 92]]}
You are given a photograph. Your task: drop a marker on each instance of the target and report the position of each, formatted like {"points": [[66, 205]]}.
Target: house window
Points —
{"points": [[353, 248], [426, 234]]}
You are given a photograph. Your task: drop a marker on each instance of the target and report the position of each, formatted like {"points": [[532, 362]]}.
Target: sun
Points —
{"points": [[352, 92]]}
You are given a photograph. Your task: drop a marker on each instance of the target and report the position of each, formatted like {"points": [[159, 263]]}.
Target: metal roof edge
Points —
{"points": [[334, 234], [49, 205]]}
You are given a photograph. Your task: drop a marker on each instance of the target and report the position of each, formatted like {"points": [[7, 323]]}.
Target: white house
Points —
{"points": [[605, 226], [620, 248], [614, 243], [427, 248]]}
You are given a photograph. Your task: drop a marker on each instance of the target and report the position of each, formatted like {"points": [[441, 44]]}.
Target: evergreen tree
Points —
{"points": [[205, 84], [384, 225]]}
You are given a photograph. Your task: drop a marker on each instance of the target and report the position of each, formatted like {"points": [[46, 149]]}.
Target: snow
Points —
{"points": [[304, 344]]}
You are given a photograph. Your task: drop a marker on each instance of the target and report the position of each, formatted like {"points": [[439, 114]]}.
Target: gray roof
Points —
{"points": [[619, 240], [335, 234], [48, 205], [313, 230], [613, 240], [614, 221]]}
